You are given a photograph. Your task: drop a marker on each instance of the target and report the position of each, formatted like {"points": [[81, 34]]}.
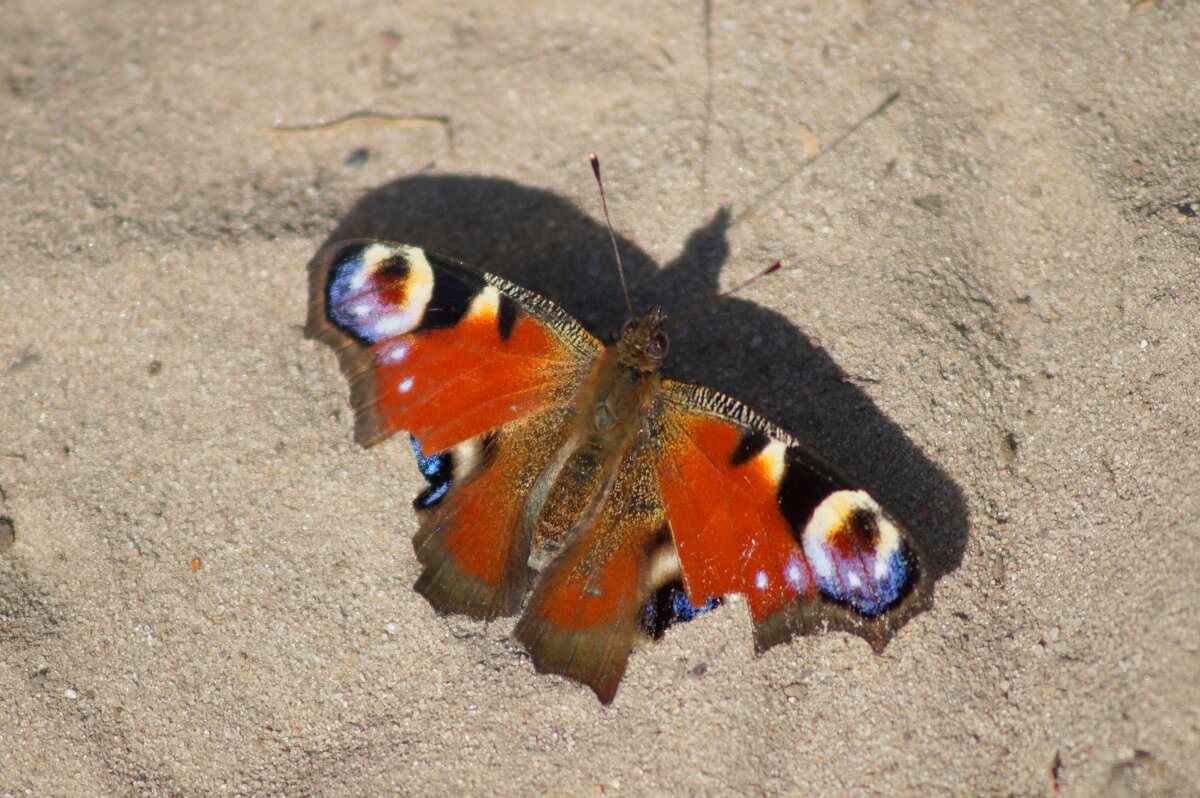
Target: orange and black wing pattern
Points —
{"points": [[753, 512], [699, 499], [435, 348], [586, 612], [479, 372]]}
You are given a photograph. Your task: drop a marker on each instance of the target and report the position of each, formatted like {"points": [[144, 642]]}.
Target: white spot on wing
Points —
{"points": [[397, 352], [392, 324], [377, 252], [466, 456], [793, 574], [406, 385], [664, 566], [761, 580], [819, 559], [889, 536]]}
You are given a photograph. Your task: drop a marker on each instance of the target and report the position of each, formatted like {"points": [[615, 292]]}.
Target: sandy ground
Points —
{"points": [[989, 316]]}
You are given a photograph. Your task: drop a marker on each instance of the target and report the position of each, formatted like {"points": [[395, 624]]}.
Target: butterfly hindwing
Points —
{"points": [[435, 348], [586, 613], [753, 512], [475, 537]]}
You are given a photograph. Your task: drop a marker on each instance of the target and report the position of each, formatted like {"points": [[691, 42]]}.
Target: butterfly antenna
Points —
{"points": [[611, 235], [774, 267]]}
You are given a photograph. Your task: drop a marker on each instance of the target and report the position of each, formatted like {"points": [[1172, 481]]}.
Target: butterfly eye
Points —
{"points": [[658, 344]]}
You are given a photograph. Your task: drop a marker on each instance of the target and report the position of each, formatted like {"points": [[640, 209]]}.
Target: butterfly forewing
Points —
{"points": [[778, 525], [477, 370], [437, 349]]}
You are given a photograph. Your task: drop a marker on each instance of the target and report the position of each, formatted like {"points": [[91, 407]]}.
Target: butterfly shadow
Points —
{"points": [[541, 241]]}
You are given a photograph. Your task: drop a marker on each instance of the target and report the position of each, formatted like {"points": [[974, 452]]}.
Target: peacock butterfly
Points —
{"points": [[557, 466]]}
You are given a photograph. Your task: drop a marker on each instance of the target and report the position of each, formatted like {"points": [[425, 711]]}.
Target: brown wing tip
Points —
{"points": [[818, 615], [450, 589], [317, 325], [594, 657], [353, 358]]}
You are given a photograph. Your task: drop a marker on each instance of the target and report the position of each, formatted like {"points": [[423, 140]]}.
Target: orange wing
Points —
{"points": [[479, 371], [436, 348], [586, 612], [753, 512], [474, 540]]}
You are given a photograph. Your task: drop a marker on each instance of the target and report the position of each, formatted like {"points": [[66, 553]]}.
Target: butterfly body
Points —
{"points": [[569, 481]]}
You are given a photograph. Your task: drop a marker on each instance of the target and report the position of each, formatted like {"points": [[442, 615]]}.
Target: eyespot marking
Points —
{"points": [[857, 553], [378, 291]]}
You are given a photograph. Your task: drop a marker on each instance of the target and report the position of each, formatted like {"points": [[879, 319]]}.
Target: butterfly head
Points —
{"points": [[645, 339]]}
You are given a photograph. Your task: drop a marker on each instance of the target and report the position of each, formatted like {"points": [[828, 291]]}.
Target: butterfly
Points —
{"points": [[573, 484]]}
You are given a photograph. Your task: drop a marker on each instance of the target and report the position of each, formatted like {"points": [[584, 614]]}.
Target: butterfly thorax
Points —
{"points": [[625, 380]]}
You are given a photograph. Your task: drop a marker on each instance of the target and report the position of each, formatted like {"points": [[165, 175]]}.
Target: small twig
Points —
{"points": [[754, 205], [358, 118]]}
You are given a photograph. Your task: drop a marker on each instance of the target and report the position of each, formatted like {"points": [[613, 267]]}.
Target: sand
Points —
{"points": [[988, 315]]}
